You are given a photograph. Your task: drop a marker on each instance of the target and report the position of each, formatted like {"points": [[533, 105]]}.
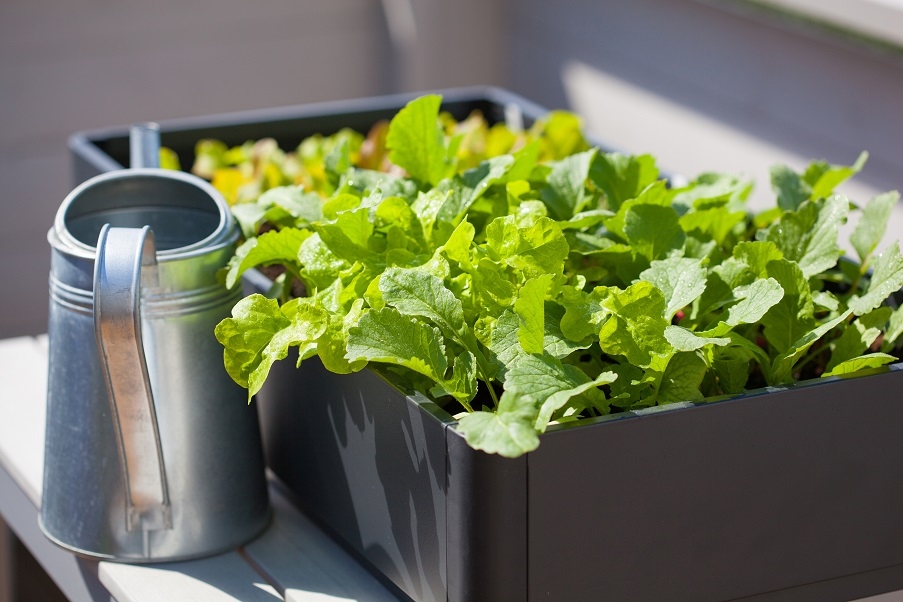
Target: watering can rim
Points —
{"points": [[225, 233]]}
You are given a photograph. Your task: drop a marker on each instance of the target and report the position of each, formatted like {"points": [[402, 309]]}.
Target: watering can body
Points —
{"points": [[152, 452]]}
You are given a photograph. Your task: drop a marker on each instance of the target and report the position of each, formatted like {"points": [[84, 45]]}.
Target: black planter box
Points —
{"points": [[781, 494], [791, 494]]}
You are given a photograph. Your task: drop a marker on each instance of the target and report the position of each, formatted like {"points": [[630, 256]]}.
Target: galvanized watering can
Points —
{"points": [[152, 452]]}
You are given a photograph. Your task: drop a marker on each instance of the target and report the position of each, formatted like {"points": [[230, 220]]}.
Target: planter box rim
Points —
{"points": [[83, 141]]}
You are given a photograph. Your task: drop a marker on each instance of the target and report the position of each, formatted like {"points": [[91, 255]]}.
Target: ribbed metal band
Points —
{"points": [[153, 305]]}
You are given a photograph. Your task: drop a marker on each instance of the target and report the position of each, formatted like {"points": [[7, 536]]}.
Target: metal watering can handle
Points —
{"points": [[126, 259]]}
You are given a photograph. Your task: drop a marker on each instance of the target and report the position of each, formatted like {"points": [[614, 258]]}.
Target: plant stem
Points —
{"points": [[291, 274], [855, 284], [469, 343], [809, 357], [487, 380]]}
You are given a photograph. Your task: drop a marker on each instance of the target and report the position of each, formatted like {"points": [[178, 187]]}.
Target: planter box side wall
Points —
{"points": [[768, 492], [487, 524], [367, 463]]}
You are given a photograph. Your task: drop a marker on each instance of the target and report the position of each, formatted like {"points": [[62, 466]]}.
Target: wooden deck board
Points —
{"points": [[307, 564], [23, 365], [217, 579]]}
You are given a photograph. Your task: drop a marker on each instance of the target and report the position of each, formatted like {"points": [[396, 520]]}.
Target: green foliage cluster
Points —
{"points": [[533, 279]]}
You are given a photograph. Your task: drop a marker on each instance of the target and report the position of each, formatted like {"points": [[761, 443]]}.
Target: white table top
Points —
{"points": [[293, 560]]}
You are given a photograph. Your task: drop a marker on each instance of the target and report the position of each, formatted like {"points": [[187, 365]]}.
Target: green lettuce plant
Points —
{"points": [[525, 278]]}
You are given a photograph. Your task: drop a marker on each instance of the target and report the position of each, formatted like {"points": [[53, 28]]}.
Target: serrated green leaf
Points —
{"points": [[716, 222], [681, 279], [249, 217], [366, 181], [492, 286], [792, 190], [872, 224], [537, 249], [416, 141], [634, 325], [506, 345], [332, 346], [887, 279], [566, 191], [586, 392], [414, 292], [731, 366], [758, 298], [794, 315], [530, 309], [809, 235], [395, 211], [553, 384], [720, 285], [713, 190], [824, 178], [858, 336], [390, 337], [653, 230], [683, 339], [320, 266], [583, 313], [259, 333], [585, 219], [851, 366], [427, 207], [894, 330], [254, 322], [524, 162], [306, 206], [555, 343], [656, 193], [504, 342], [462, 384], [682, 378], [348, 237], [782, 366], [508, 432], [756, 255], [463, 191], [622, 176], [561, 134], [826, 300], [280, 246], [458, 245]]}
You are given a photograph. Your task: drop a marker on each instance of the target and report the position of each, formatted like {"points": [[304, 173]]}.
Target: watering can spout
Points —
{"points": [[144, 145]]}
